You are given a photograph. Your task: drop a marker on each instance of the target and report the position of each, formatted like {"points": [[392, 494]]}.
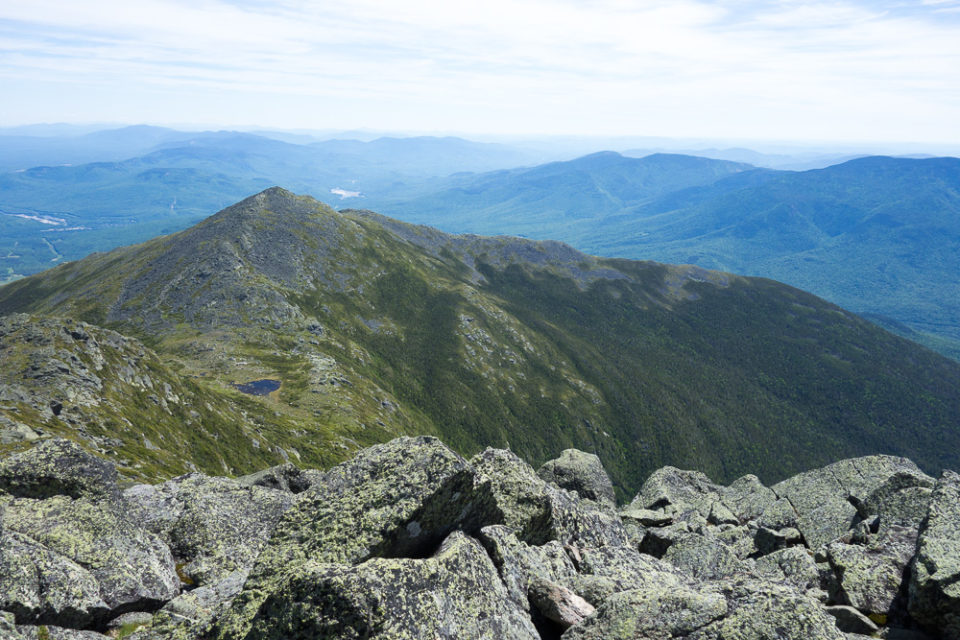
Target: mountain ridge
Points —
{"points": [[376, 328]]}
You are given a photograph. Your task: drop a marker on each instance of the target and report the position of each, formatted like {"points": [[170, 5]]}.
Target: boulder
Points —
{"points": [[794, 567], [50, 632], [557, 603], [398, 499], [191, 614], [456, 593], [765, 610], [704, 557], [645, 517], [747, 498], [581, 473], [657, 541], [825, 498], [540, 512], [625, 568], [40, 586], [902, 500], [740, 539], [214, 526], [651, 613], [934, 591], [58, 467], [132, 567], [872, 576], [519, 562], [849, 620], [8, 627], [680, 490]]}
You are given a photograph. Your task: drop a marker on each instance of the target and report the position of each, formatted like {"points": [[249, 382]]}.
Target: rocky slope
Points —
{"points": [[374, 329], [410, 540], [61, 377]]}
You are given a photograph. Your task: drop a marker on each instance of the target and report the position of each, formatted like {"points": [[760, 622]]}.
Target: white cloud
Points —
{"points": [[734, 67]]}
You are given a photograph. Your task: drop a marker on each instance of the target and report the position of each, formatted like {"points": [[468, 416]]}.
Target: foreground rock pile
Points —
{"points": [[410, 540]]}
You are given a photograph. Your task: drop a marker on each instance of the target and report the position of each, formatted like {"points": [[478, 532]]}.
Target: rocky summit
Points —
{"points": [[410, 540]]}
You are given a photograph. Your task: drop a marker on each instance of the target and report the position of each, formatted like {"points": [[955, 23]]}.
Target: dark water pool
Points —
{"points": [[258, 387]]}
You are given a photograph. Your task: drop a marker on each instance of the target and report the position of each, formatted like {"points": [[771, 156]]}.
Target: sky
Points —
{"points": [[733, 69]]}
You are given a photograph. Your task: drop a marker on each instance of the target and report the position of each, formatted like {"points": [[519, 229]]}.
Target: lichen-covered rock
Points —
{"points": [[396, 499], [214, 526], [849, 620], [191, 614], [581, 473], [540, 512], [646, 517], [740, 539], [40, 586], [934, 593], [704, 557], [132, 567], [871, 576], [902, 500], [454, 594], [518, 562], [680, 489], [741, 609], [51, 632], [794, 566], [657, 541], [285, 477], [824, 498], [765, 610], [58, 467], [8, 627], [748, 498], [779, 515], [557, 603], [626, 569], [651, 613]]}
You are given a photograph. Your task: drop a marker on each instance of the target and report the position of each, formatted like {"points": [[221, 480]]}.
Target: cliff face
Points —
{"points": [[410, 540]]}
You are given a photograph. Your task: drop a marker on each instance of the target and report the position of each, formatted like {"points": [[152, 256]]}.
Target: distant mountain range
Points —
{"points": [[376, 328], [880, 236], [877, 235], [57, 205]]}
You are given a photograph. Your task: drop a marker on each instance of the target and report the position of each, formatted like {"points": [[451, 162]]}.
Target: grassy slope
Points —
{"points": [[378, 328]]}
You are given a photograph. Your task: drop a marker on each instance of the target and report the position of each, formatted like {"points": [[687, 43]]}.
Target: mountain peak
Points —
{"points": [[376, 328]]}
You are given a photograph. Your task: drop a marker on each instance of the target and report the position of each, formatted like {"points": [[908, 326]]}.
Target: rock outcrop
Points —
{"points": [[410, 540]]}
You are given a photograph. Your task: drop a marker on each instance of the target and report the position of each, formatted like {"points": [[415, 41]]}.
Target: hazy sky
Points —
{"points": [[733, 68]]}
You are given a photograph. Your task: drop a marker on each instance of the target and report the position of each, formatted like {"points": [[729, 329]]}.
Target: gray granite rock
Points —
{"points": [[651, 613], [454, 594], [934, 592], [58, 467], [398, 499], [540, 512], [824, 498], [581, 473], [849, 620], [41, 586], [704, 558], [132, 567], [557, 603], [213, 526], [872, 576], [518, 562]]}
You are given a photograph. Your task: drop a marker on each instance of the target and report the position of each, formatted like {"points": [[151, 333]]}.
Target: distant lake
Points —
{"points": [[258, 387]]}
